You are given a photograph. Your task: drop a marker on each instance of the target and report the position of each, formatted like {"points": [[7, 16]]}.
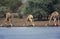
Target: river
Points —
{"points": [[29, 32]]}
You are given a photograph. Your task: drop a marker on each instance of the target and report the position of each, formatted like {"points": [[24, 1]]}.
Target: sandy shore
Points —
{"points": [[22, 23]]}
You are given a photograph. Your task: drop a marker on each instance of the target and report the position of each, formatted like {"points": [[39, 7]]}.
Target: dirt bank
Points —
{"points": [[22, 23]]}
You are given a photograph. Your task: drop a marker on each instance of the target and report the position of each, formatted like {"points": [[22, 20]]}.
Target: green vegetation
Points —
{"points": [[38, 8]]}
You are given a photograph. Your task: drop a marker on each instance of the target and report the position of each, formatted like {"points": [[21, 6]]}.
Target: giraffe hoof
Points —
{"points": [[55, 24]]}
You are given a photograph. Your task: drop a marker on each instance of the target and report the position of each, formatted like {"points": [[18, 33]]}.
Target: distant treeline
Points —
{"points": [[38, 8]]}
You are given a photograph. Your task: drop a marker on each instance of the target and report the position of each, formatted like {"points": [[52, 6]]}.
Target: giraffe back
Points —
{"points": [[55, 14], [8, 15]]}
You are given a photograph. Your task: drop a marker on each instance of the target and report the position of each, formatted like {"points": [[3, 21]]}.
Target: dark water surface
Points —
{"points": [[30, 33]]}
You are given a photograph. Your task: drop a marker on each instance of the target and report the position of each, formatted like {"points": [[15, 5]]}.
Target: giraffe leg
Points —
{"points": [[50, 19], [10, 22], [55, 21]]}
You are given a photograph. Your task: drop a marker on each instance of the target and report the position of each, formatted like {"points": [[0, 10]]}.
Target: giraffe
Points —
{"points": [[54, 15], [30, 19], [8, 19]]}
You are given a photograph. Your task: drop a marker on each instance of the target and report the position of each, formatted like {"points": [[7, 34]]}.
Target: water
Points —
{"points": [[30, 33]]}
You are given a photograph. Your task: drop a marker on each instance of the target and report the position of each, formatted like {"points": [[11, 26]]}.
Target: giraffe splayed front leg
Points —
{"points": [[55, 21]]}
